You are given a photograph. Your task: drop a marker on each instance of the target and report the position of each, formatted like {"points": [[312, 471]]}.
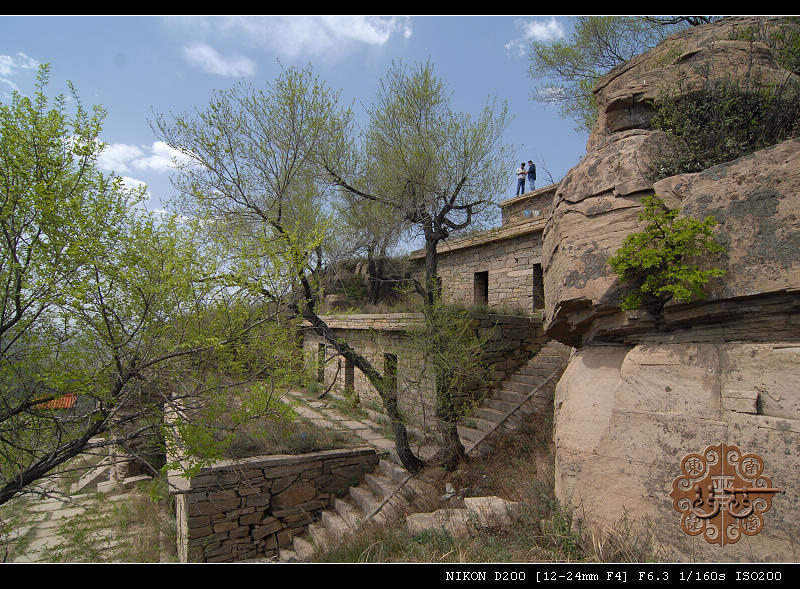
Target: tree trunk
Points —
{"points": [[375, 276], [452, 450], [389, 397]]}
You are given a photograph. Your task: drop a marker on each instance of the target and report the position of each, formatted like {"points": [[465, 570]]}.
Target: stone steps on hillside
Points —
{"points": [[528, 389], [389, 490], [478, 513]]}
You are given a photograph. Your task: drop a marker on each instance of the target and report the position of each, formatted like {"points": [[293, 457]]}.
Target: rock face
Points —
{"points": [[638, 396]]}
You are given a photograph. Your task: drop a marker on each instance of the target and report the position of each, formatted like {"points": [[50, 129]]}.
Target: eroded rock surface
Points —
{"points": [[638, 395]]}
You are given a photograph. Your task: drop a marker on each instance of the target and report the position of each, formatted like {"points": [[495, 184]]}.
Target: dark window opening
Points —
{"points": [[481, 289], [321, 363], [538, 287]]}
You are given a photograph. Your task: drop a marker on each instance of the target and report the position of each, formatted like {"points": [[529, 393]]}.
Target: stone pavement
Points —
{"points": [[84, 527]]}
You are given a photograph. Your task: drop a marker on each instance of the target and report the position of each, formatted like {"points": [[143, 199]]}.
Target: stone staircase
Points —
{"points": [[528, 390], [391, 492], [388, 492]]}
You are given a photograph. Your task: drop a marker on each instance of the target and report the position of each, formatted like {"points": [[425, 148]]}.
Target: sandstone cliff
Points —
{"points": [[637, 395]]}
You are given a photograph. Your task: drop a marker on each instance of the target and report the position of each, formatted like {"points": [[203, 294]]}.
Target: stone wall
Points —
{"points": [[510, 341], [528, 206], [507, 258], [248, 508]]}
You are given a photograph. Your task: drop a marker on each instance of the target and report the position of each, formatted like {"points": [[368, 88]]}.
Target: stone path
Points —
{"points": [[81, 527], [47, 528]]}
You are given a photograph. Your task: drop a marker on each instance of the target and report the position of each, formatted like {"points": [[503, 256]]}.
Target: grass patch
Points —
{"points": [[133, 529], [277, 431], [296, 437]]}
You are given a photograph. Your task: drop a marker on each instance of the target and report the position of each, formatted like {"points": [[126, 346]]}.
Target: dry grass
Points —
{"points": [[520, 469]]}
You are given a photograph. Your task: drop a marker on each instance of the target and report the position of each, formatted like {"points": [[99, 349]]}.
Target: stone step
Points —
{"points": [[541, 373], [381, 486], [470, 434], [322, 537], [475, 422], [351, 514], [455, 521], [336, 524], [488, 414], [510, 396], [364, 499], [517, 387], [377, 417], [499, 405], [302, 548], [101, 470], [525, 379], [392, 470]]}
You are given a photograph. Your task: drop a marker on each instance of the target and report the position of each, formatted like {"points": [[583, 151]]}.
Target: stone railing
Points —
{"points": [[248, 508]]}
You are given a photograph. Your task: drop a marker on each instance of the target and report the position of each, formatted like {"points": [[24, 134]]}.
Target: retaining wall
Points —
{"points": [[248, 508]]}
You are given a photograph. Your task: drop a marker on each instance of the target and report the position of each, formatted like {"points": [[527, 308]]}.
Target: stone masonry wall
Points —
{"points": [[510, 341], [248, 508], [527, 206], [507, 255], [509, 268]]}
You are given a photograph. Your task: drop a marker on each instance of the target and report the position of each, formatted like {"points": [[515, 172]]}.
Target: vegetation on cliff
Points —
{"points": [[662, 262]]}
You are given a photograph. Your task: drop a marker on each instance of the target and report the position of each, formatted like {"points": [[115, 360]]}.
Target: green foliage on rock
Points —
{"points": [[662, 262], [722, 121]]}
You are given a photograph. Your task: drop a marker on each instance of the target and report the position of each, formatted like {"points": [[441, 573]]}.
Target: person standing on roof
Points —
{"points": [[531, 175], [521, 179]]}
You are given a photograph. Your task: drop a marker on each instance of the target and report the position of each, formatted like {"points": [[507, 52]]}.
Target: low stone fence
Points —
{"points": [[248, 508]]}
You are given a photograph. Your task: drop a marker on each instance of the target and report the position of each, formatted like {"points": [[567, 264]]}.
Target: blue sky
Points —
{"points": [[134, 65]]}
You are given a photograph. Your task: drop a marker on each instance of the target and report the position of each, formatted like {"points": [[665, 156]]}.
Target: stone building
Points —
{"points": [[500, 268]]}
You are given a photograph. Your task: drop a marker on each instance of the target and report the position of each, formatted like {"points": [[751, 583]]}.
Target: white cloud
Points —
{"points": [[9, 64], [534, 31], [121, 158], [209, 60], [115, 157], [306, 35], [162, 158]]}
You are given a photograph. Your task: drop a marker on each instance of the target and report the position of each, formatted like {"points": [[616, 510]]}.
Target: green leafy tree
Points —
{"points": [[438, 171], [100, 302], [662, 262], [252, 174]]}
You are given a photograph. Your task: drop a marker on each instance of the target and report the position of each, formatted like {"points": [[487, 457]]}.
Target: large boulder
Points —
{"points": [[640, 394], [684, 63]]}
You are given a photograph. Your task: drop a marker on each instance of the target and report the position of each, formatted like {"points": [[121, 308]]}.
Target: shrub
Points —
{"points": [[722, 121], [658, 262]]}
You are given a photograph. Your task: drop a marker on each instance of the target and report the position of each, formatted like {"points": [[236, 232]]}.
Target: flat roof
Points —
{"points": [[527, 195], [501, 233]]}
